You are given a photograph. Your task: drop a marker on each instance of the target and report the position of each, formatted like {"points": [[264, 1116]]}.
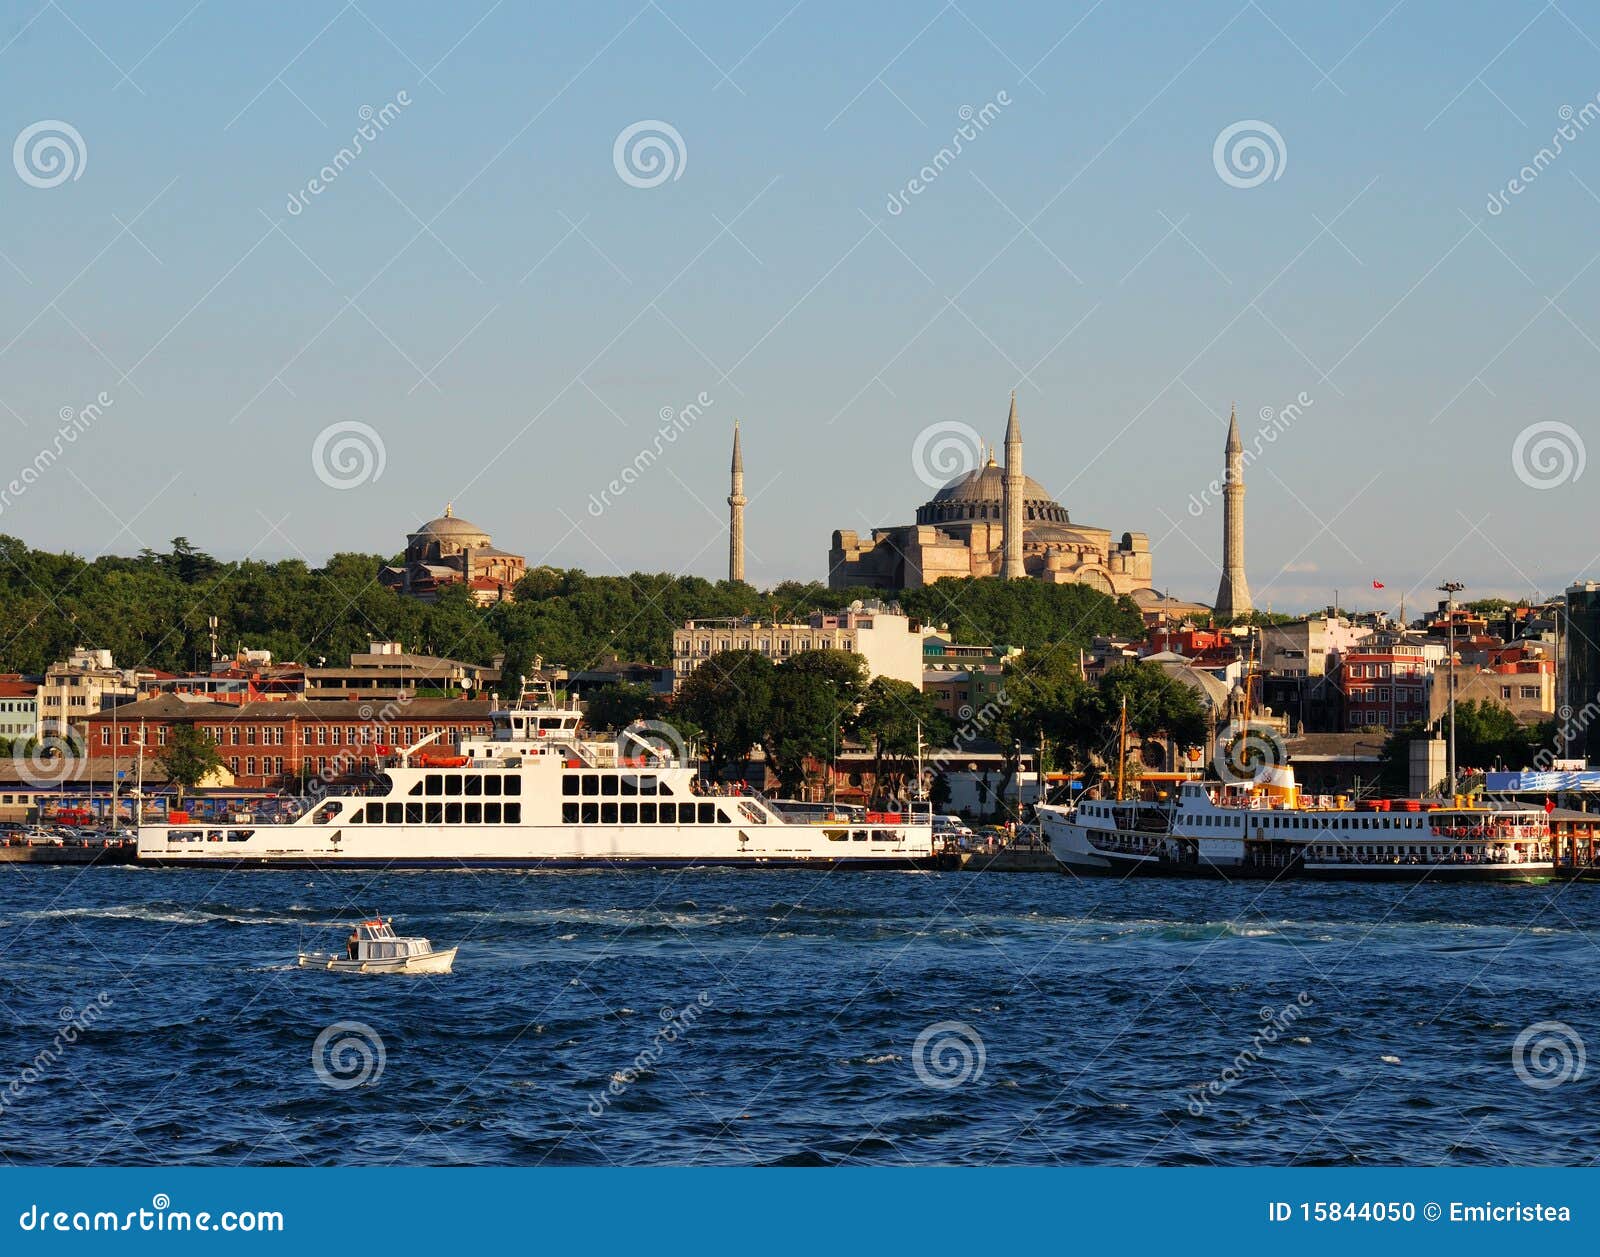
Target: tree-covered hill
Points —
{"points": [[152, 610]]}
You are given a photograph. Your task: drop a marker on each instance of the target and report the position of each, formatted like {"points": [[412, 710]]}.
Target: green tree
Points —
{"points": [[188, 757], [727, 699], [813, 694], [890, 716], [620, 704]]}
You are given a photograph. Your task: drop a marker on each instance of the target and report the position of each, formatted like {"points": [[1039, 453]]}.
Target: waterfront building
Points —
{"points": [[1581, 646], [279, 743], [19, 707], [1305, 647], [450, 551], [885, 637], [387, 670], [962, 532], [963, 680], [1525, 686], [1233, 593], [1385, 684], [85, 683]]}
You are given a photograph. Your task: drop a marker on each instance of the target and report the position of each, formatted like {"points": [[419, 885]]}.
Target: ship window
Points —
{"points": [[608, 786], [569, 812], [354, 819], [393, 812], [708, 813], [630, 814], [514, 785], [591, 784], [491, 813], [859, 835], [884, 835], [452, 784], [413, 813], [723, 817], [608, 813], [647, 783], [416, 789], [628, 783], [662, 788], [647, 813], [669, 813], [474, 814], [435, 814], [569, 784], [513, 813], [474, 784], [374, 813], [452, 813], [591, 813], [240, 835], [491, 784], [435, 783]]}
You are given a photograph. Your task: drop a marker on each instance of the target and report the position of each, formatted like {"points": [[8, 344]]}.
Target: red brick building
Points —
{"points": [[267, 744], [1386, 686]]}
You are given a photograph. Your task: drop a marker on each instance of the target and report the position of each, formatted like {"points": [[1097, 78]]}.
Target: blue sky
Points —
{"points": [[510, 317]]}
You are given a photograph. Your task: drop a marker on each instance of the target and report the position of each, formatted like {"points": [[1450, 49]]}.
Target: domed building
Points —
{"points": [[452, 551], [963, 531]]}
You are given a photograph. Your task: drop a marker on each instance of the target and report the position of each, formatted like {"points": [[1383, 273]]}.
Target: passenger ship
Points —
{"points": [[537, 791], [1266, 828]]}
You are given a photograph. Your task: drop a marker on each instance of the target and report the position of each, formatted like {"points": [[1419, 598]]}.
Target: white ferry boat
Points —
{"points": [[1266, 828], [537, 791]]}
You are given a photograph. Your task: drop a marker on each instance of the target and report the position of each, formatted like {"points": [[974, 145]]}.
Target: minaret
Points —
{"points": [[1014, 569], [736, 502], [1233, 594]]}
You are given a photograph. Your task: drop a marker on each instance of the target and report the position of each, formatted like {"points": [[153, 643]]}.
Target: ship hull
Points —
{"points": [[1078, 852]]}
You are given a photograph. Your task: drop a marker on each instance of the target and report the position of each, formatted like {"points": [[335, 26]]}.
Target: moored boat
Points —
{"points": [[1266, 828], [539, 790]]}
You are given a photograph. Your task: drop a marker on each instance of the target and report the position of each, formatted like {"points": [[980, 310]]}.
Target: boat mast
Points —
{"points": [[1122, 747]]}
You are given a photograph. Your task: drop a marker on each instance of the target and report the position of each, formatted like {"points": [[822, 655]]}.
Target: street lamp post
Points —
{"points": [[1450, 589]]}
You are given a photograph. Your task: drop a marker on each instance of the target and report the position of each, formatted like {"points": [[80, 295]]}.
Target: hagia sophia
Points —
{"points": [[964, 528], [990, 521]]}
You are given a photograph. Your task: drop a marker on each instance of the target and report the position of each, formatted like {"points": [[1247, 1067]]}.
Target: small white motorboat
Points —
{"points": [[374, 947]]}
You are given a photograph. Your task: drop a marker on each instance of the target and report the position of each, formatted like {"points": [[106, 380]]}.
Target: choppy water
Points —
{"points": [[1099, 1011]]}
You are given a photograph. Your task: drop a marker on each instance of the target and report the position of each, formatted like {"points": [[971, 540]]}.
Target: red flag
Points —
{"points": [[1377, 584], [1549, 806]]}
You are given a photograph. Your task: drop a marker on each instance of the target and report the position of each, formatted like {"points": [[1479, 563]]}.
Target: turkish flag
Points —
{"points": [[1549, 806], [1377, 584]]}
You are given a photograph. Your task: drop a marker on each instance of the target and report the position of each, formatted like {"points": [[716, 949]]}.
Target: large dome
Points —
{"points": [[980, 494], [448, 525]]}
